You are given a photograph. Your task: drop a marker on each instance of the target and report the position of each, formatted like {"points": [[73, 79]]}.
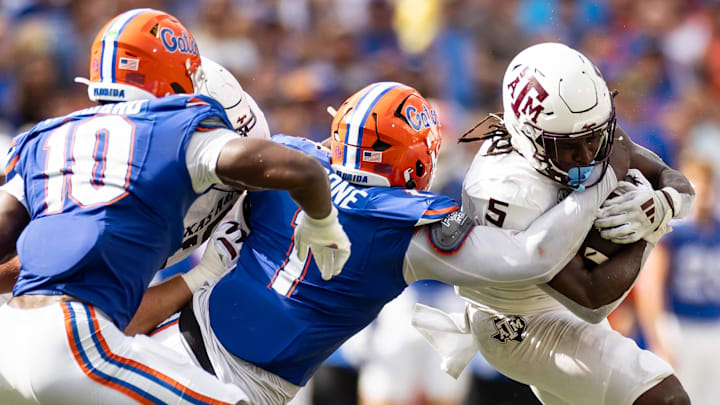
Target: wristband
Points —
{"points": [[322, 222]]}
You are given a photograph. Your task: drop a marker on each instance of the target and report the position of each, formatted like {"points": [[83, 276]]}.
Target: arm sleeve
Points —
{"points": [[16, 188], [202, 155], [491, 255]]}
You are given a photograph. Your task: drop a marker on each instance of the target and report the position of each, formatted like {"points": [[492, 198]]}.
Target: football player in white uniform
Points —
{"points": [[555, 136], [249, 121]]}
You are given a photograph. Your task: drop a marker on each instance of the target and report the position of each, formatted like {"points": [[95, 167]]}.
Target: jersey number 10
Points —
{"points": [[88, 161]]}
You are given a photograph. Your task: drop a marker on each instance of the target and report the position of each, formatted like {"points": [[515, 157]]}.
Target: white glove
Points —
{"points": [[228, 240], [330, 246], [640, 212], [220, 257]]}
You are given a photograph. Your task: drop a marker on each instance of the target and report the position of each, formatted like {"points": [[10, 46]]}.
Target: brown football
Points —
{"points": [[595, 250]]}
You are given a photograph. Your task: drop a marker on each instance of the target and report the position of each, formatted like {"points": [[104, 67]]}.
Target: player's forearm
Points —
{"points": [[677, 188], [261, 164], [9, 272], [158, 303], [679, 192], [604, 284], [592, 315], [13, 219]]}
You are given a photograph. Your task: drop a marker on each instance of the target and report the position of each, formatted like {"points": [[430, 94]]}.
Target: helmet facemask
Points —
{"points": [[572, 158]]}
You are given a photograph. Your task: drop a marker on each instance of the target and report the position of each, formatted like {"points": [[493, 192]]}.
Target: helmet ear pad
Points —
{"points": [[554, 98], [386, 134]]}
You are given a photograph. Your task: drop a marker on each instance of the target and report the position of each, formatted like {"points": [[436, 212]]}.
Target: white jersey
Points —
{"points": [[204, 214], [506, 191]]}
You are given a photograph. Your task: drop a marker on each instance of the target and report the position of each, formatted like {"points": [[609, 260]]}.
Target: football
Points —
{"points": [[595, 250]]}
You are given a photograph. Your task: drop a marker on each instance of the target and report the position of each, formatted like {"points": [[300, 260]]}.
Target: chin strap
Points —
{"points": [[409, 182]]}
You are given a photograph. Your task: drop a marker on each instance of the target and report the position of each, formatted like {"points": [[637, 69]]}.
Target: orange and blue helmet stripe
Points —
{"points": [[108, 60], [355, 123]]}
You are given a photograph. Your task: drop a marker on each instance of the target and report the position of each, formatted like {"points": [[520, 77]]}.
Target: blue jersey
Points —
{"points": [[694, 274], [276, 311], [107, 189]]}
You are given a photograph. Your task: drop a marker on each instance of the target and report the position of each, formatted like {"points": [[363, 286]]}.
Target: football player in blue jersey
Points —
{"points": [[94, 206], [677, 297], [210, 208], [268, 324]]}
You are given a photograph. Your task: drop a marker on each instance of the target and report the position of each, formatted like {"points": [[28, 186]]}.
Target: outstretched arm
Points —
{"points": [[490, 255], [164, 299], [159, 302], [253, 164], [257, 163]]}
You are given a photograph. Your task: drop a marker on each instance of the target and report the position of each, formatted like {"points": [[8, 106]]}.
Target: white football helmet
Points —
{"points": [[242, 111], [559, 113]]}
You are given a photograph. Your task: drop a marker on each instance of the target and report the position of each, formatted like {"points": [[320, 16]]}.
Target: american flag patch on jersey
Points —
{"points": [[370, 156], [128, 64]]}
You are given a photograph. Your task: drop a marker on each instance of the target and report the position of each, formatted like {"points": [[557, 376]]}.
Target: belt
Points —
{"points": [[190, 330]]}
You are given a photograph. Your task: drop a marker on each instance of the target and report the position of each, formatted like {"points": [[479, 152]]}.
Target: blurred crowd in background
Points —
{"points": [[296, 57]]}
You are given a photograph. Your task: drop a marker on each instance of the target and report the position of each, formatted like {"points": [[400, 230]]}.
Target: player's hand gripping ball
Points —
{"points": [[596, 249]]}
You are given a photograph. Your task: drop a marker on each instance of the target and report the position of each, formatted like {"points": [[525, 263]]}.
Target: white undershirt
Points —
{"points": [[202, 155]]}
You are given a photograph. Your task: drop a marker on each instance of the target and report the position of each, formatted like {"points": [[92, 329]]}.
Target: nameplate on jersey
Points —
{"points": [[448, 235], [199, 230], [343, 194]]}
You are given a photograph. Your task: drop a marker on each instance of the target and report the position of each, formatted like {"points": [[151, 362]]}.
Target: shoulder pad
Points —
{"points": [[447, 235], [311, 148]]}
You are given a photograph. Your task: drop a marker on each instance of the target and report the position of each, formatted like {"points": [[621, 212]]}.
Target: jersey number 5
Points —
{"points": [[495, 214], [89, 162]]}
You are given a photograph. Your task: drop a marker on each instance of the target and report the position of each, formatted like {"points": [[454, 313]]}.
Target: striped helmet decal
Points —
{"points": [[109, 43], [357, 118]]}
